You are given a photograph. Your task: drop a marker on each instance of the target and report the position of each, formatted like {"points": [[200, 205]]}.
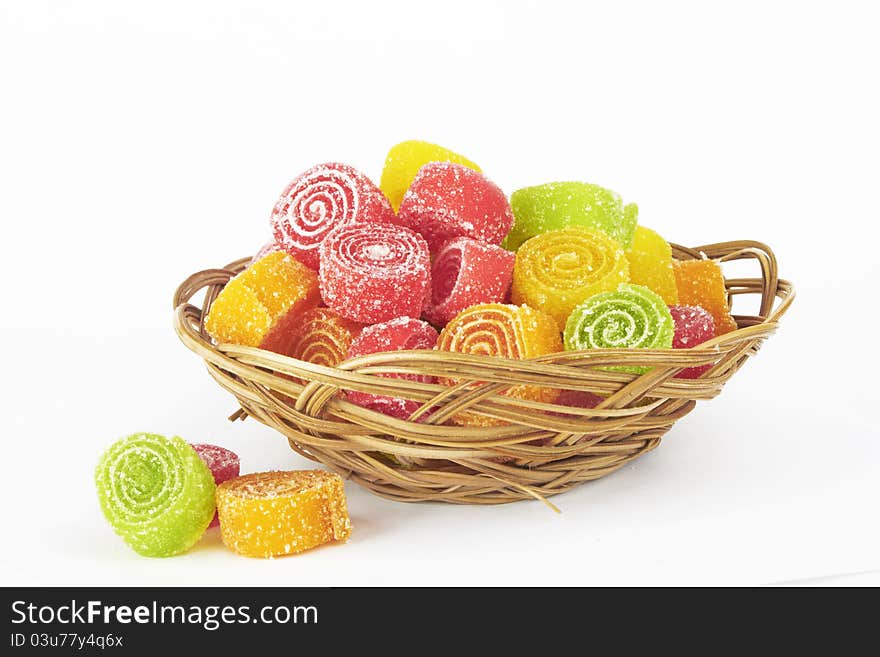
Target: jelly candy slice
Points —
{"points": [[319, 335], [650, 264], [701, 283], [631, 317], [466, 272], [504, 331], [404, 161], [325, 197], [693, 326], [557, 270], [156, 493], [449, 200], [374, 273], [561, 204], [267, 514], [223, 464], [401, 333]]}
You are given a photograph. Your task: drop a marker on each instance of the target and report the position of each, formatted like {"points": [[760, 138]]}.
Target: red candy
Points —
{"points": [[449, 200], [396, 335], [372, 273], [579, 399], [693, 326], [325, 197], [465, 273], [222, 463]]}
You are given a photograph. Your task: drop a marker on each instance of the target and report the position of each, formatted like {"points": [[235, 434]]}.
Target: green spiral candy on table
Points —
{"points": [[156, 492], [630, 317]]}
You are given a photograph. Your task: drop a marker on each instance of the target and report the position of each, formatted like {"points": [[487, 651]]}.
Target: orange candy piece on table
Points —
{"points": [[264, 298], [506, 331], [701, 283], [267, 514], [650, 264]]}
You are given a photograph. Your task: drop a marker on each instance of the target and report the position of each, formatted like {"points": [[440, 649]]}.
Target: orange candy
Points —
{"points": [[319, 335], [701, 283], [268, 514], [266, 296], [507, 331]]}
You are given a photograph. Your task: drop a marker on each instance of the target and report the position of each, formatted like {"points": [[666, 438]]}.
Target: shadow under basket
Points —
{"points": [[536, 451]]}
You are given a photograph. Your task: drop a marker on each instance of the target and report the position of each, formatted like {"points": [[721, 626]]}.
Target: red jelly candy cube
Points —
{"points": [[323, 198], [466, 272], [693, 325], [223, 464], [372, 273], [398, 334], [449, 200]]}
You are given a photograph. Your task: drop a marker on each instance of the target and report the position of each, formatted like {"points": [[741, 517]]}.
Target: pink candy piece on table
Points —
{"points": [[466, 272], [396, 335], [222, 463], [693, 325], [449, 200], [325, 197], [372, 273]]}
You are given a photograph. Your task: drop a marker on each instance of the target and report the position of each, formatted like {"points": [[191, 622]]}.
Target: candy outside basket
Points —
{"points": [[538, 451]]}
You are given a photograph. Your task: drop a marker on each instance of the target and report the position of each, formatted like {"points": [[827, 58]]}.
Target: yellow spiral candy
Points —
{"points": [[557, 270]]}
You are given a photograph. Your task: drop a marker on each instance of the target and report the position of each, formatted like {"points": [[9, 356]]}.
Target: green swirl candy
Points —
{"points": [[630, 317], [156, 492]]}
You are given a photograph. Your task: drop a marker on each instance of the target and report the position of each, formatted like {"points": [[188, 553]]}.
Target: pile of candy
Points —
{"points": [[436, 257]]}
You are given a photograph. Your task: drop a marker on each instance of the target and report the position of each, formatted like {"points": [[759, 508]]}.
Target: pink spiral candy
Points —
{"points": [[325, 197]]}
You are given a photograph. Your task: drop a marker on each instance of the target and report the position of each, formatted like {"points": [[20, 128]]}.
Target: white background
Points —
{"points": [[139, 146]]}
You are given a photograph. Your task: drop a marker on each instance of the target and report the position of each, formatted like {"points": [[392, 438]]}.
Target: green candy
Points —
{"points": [[561, 204], [630, 317], [156, 492]]}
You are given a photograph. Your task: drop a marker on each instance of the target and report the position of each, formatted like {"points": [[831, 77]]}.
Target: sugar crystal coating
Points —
{"points": [[561, 204], [268, 514], [505, 331], [448, 200], [650, 264], [325, 197], [404, 161], [466, 272], [401, 333], [318, 335], [156, 493], [557, 270], [693, 326], [374, 273], [223, 463], [630, 317], [701, 283]]}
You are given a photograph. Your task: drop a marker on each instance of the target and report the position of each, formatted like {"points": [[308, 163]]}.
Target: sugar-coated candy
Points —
{"points": [[578, 399], [156, 493], [263, 298], [373, 273], [560, 204], [401, 333], [448, 200], [325, 197], [223, 464], [404, 161], [319, 335], [630, 317], [693, 326], [466, 272], [701, 283], [268, 514], [650, 264], [505, 331], [269, 247], [557, 270]]}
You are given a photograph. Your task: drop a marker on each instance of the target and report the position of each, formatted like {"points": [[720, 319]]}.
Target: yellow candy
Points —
{"points": [[262, 298], [269, 514], [557, 270], [701, 283], [404, 161], [650, 264]]}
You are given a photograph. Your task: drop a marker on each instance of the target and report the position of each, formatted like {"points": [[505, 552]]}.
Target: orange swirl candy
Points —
{"points": [[320, 335], [506, 331], [557, 270], [268, 514]]}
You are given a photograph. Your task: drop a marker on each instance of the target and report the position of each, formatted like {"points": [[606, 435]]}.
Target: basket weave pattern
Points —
{"points": [[539, 450]]}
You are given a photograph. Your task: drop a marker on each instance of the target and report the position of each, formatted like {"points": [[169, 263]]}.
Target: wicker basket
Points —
{"points": [[540, 450]]}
